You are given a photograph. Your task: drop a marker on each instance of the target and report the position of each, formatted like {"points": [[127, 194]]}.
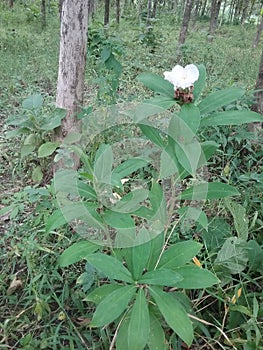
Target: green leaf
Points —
{"points": [[220, 99], [157, 84], [86, 191], [199, 85], [161, 277], [112, 306], [139, 325], [194, 277], [174, 314], [46, 149], [209, 190], [110, 266], [156, 336], [233, 255], [255, 256], [131, 201], [153, 135], [129, 166], [240, 219], [165, 102], [49, 123], [72, 137], [179, 254], [37, 174], [77, 252], [140, 257], [27, 149], [186, 126], [231, 118], [117, 220], [55, 221], [189, 214], [103, 164], [31, 139], [208, 149], [100, 293], [33, 102]]}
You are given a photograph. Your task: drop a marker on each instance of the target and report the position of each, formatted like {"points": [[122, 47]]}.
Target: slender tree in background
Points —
{"points": [[11, 3], [106, 12], [185, 23], [258, 105], [118, 9], [43, 14], [72, 58], [258, 33], [215, 8]]}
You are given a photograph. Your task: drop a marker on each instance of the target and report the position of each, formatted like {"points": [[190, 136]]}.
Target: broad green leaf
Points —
{"points": [[220, 99], [103, 164], [179, 254], [122, 335], [139, 325], [27, 149], [187, 124], [117, 220], [112, 306], [158, 204], [153, 135], [208, 149], [164, 102], [155, 251], [140, 257], [55, 221], [174, 314], [255, 256], [145, 110], [86, 191], [72, 137], [199, 85], [110, 266], [156, 336], [100, 293], [131, 201], [51, 122], [129, 166], [240, 219], [233, 255], [77, 252], [157, 84], [209, 190], [189, 155], [231, 118], [33, 102], [190, 214], [195, 277], [37, 174], [47, 148], [31, 139], [161, 277]]}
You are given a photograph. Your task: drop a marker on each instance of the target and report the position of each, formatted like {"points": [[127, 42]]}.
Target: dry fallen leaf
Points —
{"points": [[14, 285]]}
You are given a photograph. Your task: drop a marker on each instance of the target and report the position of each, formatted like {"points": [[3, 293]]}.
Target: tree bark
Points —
{"points": [[43, 14], [258, 34], [258, 105], [118, 11], [11, 4], [72, 59], [155, 2], [215, 8], [107, 12], [185, 23]]}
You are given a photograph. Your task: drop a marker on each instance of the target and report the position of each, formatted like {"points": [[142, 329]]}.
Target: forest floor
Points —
{"points": [[41, 304]]}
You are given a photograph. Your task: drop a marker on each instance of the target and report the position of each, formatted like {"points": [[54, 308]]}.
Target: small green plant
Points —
{"points": [[35, 126]]}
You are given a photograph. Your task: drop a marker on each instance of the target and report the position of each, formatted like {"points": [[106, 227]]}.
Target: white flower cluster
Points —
{"points": [[182, 77]]}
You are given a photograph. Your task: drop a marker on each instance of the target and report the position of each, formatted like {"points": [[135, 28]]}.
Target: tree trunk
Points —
{"points": [[215, 8], [185, 23], [72, 58], [118, 11], [258, 105], [258, 34], [155, 2], [149, 14], [43, 14], [11, 4], [107, 12], [244, 12], [203, 11]]}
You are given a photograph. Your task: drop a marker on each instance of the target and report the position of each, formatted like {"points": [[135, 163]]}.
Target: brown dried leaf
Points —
{"points": [[14, 285]]}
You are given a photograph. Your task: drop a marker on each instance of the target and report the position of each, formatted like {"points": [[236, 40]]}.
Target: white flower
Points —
{"points": [[182, 77]]}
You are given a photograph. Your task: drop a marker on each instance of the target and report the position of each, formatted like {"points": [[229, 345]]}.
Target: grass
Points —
{"points": [[41, 304]]}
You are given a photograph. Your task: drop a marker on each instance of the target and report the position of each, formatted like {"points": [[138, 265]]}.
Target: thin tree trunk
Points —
{"points": [[11, 4], [244, 12], [155, 2], [72, 58], [215, 8], [149, 14], [258, 34], [118, 11], [185, 23], [223, 12], [43, 14], [203, 11], [107, 12], [258, 105]]}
